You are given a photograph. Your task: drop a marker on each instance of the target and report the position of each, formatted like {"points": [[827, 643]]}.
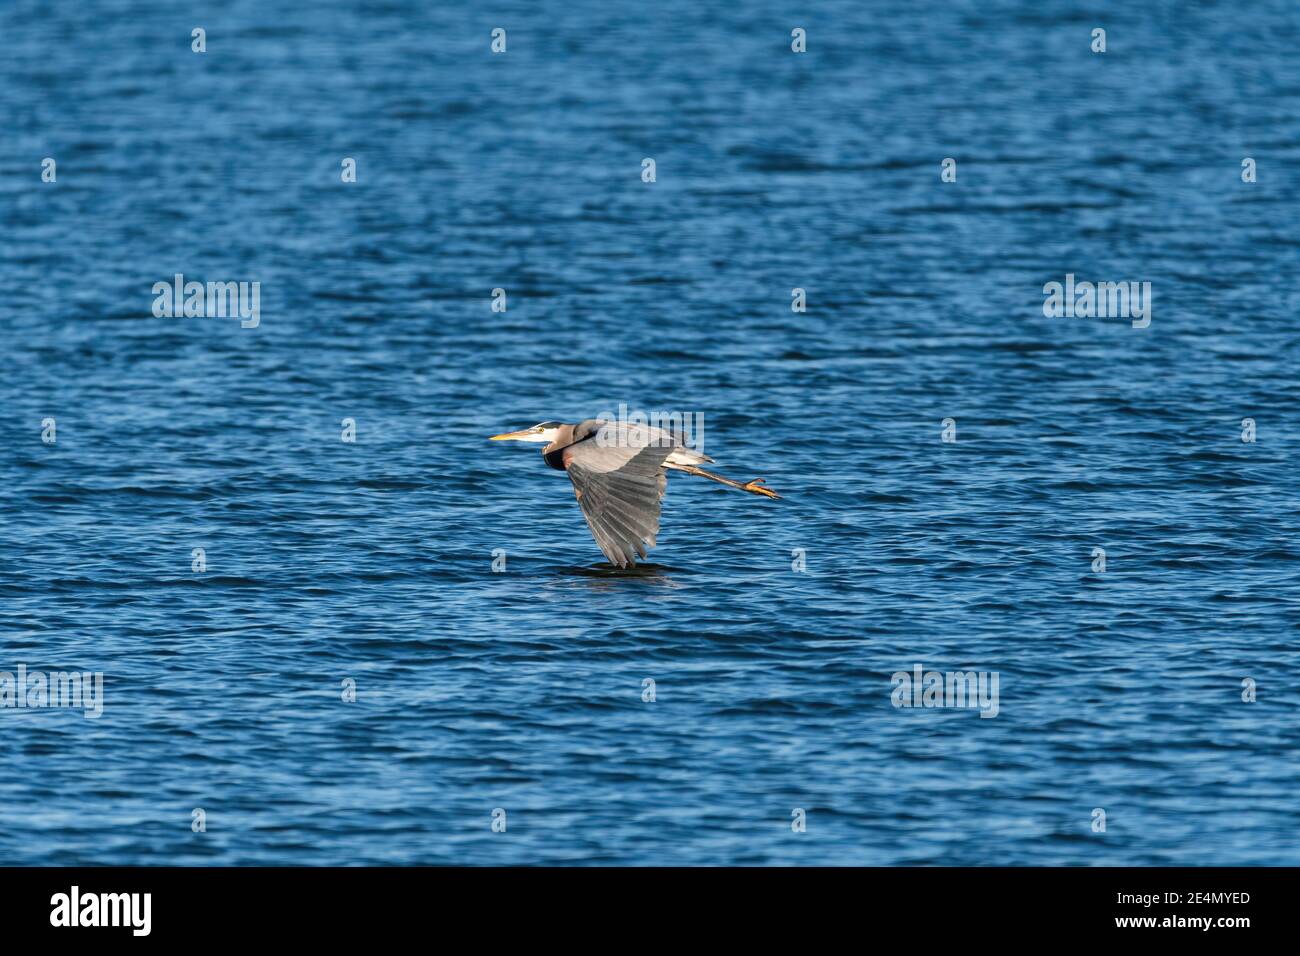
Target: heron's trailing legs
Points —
{"points": [[754, 487]]}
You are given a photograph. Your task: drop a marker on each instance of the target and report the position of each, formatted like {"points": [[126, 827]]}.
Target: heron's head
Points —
{"points": [[545, 432]]}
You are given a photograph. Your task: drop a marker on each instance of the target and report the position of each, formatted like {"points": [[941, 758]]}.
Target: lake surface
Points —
{"points": [[332, 566]]}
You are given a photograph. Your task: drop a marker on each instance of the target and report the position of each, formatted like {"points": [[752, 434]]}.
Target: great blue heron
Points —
{"points": [[618, 474]]}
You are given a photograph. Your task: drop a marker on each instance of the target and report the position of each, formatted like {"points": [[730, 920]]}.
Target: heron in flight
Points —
{"points": [[618, 470]]}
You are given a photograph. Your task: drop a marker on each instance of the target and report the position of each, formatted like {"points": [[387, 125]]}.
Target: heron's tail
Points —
{"points": [[754, 487]]}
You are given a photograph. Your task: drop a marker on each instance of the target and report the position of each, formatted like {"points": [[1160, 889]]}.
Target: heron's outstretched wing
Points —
{"points": [[619, 486]]}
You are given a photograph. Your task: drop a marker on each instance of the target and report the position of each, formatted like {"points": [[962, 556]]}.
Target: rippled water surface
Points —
{"points": [[371, 562]]}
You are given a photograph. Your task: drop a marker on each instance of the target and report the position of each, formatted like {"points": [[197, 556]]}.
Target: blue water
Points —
{"points": [[371, 562]]}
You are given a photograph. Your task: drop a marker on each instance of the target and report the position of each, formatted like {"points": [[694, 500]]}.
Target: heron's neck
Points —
{"points": [[551, 452], [563, 438]]}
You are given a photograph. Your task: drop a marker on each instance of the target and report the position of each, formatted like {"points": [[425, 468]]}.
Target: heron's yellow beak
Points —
{"points": [[511, 436]]}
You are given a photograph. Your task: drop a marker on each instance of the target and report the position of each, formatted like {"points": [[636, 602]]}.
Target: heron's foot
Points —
{"points": [[756, 487]]}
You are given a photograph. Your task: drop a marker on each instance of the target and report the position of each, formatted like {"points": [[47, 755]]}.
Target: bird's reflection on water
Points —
{"points": [[606, 576]]}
